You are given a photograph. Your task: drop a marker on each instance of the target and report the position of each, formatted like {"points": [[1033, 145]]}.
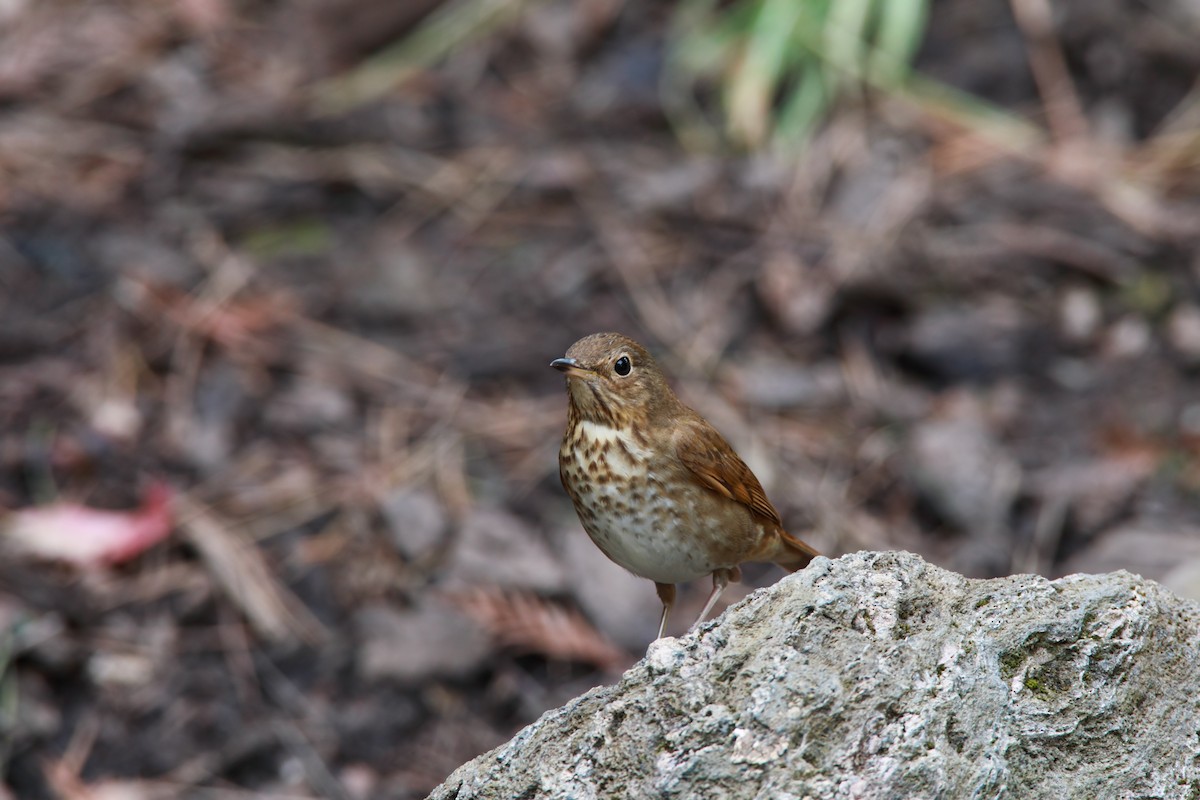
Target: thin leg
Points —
{"points": [[666, 593], [721, 578]]}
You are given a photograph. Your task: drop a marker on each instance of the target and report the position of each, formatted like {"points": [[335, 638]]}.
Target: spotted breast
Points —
{"points": [[619, 488]]}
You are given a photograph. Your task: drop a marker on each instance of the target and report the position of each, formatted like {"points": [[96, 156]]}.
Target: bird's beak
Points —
{"points": [[570, 367]]}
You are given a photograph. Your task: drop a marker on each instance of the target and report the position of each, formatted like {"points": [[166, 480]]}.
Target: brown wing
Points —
{"points": [[710, 458]]}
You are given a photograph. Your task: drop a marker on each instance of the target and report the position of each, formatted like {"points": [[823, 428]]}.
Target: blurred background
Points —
{"points": [[280, 282]]}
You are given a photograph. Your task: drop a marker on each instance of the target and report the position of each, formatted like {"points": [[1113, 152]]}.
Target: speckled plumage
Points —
{"points": [[656, 487]]}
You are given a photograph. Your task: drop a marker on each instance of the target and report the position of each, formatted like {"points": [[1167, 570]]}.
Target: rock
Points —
{"points": [[878, 675], [416, 521], [1096, 490], [968, 477], [1183, 331], [434, 640], [309, 404], [1080, 314], [393, 278], [778, 383], [975, 343], [1143, 547], [495, 548], [1128, 338], [1184, 580]]}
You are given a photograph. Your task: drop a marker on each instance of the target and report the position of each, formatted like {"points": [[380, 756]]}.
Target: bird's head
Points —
{"points": [[611, 377]]}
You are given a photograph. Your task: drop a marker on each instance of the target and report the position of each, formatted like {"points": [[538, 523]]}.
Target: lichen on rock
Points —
{"points": [[878, 675]]}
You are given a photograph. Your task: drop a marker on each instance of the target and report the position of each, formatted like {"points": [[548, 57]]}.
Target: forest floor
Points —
{"points": [[277, 432]]}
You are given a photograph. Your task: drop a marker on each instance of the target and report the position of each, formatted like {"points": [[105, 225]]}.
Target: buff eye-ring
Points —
{"points": [[622, 367]]}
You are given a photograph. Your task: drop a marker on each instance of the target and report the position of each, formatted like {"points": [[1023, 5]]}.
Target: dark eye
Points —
{"points": [[622, 366]]}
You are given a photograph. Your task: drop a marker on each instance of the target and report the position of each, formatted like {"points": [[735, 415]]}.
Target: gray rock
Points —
{"points": [[1183, 331], [433, 640], [495, 548], [779, 383], [970, 478], [1144, 547], [877, 675], [977, 343], [416, 521]]}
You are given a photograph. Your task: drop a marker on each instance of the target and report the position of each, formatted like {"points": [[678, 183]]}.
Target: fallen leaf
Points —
{"points": [[91, 537]]}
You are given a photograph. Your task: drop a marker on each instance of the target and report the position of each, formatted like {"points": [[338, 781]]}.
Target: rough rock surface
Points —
{"points": [[878, 675]]}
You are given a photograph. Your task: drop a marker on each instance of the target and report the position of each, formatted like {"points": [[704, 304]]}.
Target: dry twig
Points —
{"points": [[240, 570]]}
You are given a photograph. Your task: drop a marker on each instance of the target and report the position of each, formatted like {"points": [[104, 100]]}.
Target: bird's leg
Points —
{"points": [[721, 578], [666, 593]]}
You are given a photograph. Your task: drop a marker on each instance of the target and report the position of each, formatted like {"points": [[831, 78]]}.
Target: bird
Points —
{"points": [[655, 485]]}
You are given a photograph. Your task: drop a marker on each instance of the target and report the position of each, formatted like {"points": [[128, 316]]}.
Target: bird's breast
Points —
{"points": [[634, 506]]}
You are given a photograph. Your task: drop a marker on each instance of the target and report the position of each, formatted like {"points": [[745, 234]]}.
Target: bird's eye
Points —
{"points": [[622, 366]]}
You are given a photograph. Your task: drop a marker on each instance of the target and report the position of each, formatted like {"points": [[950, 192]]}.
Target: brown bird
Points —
{"points": [[656, 487]]}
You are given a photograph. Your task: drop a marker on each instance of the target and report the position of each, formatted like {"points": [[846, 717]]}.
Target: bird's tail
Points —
{"points": [[793, 554]]}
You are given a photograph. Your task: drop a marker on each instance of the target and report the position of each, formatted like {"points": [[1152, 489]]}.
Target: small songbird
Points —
{"points": [[656, 487]]}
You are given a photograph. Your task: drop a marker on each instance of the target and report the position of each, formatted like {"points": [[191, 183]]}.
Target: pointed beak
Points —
{"points": [[570, 367]]}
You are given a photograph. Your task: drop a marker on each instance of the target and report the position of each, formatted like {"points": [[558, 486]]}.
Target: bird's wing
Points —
{"points": [[710, 458]]}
